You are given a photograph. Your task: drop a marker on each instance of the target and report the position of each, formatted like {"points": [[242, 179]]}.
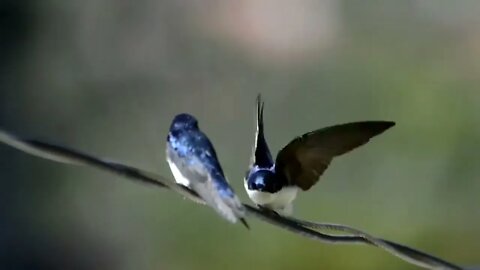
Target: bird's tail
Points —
{"points": [[260, 135], [237, 208], [260, 105], [261, 155]]}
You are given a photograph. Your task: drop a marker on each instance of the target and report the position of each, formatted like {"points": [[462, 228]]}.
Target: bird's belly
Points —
{"points": [[179, 178], [274, 201]]}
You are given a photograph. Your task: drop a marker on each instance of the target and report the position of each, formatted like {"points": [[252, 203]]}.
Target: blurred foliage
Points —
{"points": [[107, 77]]}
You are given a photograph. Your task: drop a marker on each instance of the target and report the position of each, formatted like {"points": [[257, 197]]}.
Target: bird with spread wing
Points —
{"points": [[274, 184]]}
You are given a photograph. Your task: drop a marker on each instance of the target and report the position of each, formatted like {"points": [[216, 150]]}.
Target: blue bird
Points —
{"points": [[194, 164], [298, 166]]}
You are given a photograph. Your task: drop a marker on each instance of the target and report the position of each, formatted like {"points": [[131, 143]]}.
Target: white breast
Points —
{"points": [[179, 178], [280, 201]]}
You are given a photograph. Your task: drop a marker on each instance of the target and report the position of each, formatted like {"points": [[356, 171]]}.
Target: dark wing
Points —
{"points": [[70, 156], [261, 153], [205, 152], [304, 159]]}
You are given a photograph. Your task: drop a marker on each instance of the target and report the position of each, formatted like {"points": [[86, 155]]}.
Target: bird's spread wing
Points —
{"points": [[67, 155], [304, 159], [261, 154]]}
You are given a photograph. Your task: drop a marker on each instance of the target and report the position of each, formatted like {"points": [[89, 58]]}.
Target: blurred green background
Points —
{"points": [[107, 77]]}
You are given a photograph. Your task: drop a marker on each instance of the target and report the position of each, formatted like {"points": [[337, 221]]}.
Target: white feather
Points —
{"points": [[280, 201], [179, 178]]}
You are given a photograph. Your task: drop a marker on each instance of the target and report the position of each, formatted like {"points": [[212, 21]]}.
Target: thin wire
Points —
{"points": [[411, 255], [305, 228]]}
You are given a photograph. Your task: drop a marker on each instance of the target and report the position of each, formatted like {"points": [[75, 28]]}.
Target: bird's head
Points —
{"points": [[184, 121], [264, 180]]}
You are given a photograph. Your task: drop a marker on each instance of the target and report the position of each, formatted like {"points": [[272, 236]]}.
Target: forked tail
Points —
{"points": [[262, 156]]}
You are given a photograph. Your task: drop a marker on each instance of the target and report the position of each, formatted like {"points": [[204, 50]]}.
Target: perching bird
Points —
{"points": [[191, 157], [274, 184], [194, 164]]}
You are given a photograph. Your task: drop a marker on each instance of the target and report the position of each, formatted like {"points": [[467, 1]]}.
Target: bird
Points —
{"points": [[190, 154], [273, 184], [194, 164]]}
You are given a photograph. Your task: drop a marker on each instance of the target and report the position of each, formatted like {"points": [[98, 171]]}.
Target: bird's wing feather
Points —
{"points": [[304, 159], [208, 185]]}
